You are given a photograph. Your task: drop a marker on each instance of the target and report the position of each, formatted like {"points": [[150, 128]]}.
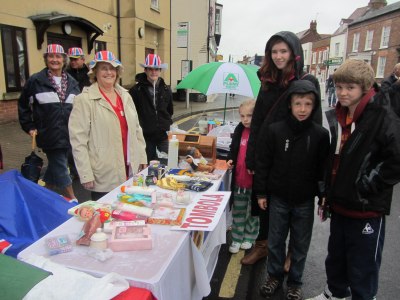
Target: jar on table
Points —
{"points": [[98, 240]]}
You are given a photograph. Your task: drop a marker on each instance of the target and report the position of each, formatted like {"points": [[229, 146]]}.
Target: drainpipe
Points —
{"points": [[170, 42], [119, 32], [208, 31]]}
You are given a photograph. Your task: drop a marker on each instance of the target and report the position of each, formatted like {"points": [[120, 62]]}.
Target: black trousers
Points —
{"points": [[354, 256]]}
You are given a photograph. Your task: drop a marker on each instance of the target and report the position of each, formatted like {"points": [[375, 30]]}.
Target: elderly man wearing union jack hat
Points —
{"points": [[44, 108], [77, 67], [153, 101]]}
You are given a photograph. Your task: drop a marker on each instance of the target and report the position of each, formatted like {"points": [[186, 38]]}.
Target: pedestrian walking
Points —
{"points": [[283, 65], [330, 89], [290, 163], [77, 67], [364, 164], [244, 226], [153, 101], [44, 108], [391, 86], [106, 138]]}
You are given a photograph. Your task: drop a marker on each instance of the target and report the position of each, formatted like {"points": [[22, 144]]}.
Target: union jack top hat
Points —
{"points": [[54, 48], [105, 56], [154, 61], [75, 52]]}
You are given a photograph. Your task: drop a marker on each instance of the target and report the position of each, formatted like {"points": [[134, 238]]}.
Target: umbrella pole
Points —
{"points": [[226, 97]]}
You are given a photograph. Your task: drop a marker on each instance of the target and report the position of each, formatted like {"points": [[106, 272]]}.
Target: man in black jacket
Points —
{"points": [[77, 67], [153, 101], [391, 86]]}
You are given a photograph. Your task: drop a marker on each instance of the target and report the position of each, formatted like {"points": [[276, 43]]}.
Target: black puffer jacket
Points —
{"points": [[80, 75], [48, 115], [155, 119], [372, 153], [271, 105], [291, 155]]}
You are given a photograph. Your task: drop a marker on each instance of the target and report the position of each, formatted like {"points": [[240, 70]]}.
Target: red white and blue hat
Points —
{"points": [[154, 61], [105, 56], [75, 52], [55, 48]]}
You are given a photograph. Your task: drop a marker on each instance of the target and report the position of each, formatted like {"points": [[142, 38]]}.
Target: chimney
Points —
{"points": [[313, 26], [376, 4]]}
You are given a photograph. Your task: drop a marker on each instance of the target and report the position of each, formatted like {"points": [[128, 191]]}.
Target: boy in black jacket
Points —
{"points": [[245, 226], [289, 165], [364, 165]]}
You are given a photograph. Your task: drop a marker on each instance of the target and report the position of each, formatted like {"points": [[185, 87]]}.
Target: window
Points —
{"points": [[325, 55], [385, 37], [368, 40], [337, 46], [305, 52], [218, 14], [15, 57], [380, 69], [99, 46], [356, 41], [320, 57], [155, 4], [314, 58]]}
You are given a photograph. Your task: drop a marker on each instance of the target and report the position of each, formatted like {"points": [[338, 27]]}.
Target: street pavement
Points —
{"points": [[231, 280]]}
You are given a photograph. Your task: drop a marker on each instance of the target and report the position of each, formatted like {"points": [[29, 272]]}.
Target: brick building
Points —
{"points": [[320, 55], [375, 37]]}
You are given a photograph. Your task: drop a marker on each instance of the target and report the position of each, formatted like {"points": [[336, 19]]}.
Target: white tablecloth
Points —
{"points": [[174, 269]]}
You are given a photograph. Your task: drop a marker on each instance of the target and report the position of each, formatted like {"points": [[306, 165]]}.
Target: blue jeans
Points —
{"points": [[332, 96], [299, 218], [57, 169]]}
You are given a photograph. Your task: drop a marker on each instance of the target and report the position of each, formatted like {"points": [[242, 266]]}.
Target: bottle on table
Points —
{"points": [[173, 149]]}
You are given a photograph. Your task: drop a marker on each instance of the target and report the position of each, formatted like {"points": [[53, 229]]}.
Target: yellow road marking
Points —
{"points": [[231, 277], [187, 118]]}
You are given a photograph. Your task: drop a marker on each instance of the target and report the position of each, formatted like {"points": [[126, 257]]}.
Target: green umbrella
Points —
{"points": [[223, 77]]}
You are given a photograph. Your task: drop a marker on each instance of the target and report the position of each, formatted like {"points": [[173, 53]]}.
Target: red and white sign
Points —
{"points": [[204, 212]]}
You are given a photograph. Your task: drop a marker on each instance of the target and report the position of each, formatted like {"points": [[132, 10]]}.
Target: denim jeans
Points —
{"points": [[332, 96], [299, 218], [57, 169]]}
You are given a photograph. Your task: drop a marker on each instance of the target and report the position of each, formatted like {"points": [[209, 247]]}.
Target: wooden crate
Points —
{"points": [[206, 144]]}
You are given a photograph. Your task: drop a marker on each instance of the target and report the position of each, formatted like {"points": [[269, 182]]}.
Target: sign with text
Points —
{"points": [[204, 212], [182, 35]]}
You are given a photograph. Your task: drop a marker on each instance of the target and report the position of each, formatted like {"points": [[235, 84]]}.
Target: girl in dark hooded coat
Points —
{"points": [[283, 64]]}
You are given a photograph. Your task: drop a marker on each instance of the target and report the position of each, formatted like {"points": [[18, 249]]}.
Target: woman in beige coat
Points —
{"points": [[106, 138]]}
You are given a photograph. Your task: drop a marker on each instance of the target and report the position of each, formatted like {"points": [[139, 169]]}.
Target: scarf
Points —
{"points": [[61, 91]]}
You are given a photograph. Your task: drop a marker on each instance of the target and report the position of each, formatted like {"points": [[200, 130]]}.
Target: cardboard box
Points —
{"points": [[206, 144], [130, 235]]}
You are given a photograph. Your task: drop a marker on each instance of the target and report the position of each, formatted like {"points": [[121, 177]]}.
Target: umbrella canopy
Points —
{"points": [[223, 77]]}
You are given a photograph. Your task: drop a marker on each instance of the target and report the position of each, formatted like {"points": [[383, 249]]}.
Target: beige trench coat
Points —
{"points": [[96, 140]]}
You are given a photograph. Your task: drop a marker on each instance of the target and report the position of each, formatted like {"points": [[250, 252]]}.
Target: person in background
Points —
{"points": [[44, 109], [290, 168], [106, 138], [392, 78], [391, 86], [79, 70], [244, 226], [77, 67], [330, 89], [153, 101], [283, 64], [363, 167]]}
